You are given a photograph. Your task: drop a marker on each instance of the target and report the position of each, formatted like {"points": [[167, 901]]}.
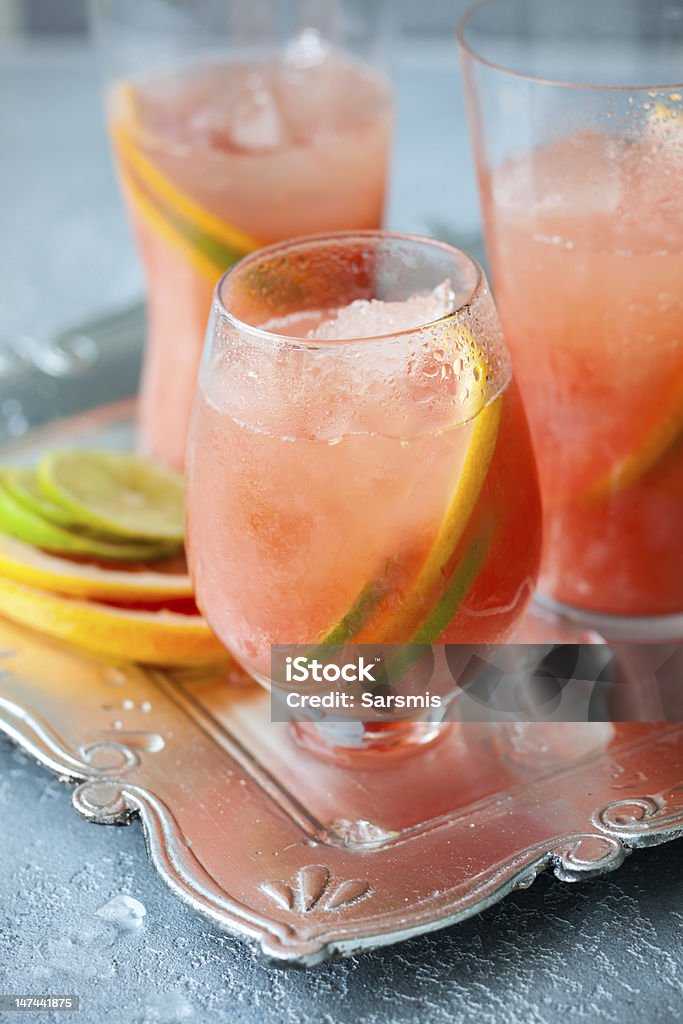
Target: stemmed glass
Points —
{"points": [[359, 464]]}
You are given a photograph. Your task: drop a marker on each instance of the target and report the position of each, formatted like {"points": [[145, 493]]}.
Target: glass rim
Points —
{"points": [[476, 54], [301, 242]]}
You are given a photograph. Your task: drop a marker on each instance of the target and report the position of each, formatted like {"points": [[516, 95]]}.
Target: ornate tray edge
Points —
{"points": [[103, 796]]}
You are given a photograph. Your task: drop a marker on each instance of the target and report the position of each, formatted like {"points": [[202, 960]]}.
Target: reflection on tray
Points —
{"points": [[474, 765]]}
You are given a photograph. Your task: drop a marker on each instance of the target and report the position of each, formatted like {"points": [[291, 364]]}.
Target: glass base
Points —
{"points": [[551, 745], [633, 629], [358, 742]]}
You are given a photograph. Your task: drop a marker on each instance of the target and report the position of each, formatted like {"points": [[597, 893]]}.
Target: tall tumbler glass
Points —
{"points": [[578, 136], [233, 125]]}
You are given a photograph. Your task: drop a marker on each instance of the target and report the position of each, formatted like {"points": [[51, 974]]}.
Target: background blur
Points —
{"points": [[68, 16]]}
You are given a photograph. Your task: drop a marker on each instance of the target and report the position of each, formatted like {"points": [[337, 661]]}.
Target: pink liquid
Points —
{"points": [[300, 495], [274, 148], [586, 244]]}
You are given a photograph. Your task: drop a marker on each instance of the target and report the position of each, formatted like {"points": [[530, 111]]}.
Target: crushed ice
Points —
{"points": [[369, 318], [125, 912]]}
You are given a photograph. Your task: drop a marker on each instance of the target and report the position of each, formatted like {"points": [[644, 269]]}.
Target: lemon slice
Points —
{"points": [[19, 521], [26, 564], [157, 638], [121, 494], [624, 474], [211, 244]]}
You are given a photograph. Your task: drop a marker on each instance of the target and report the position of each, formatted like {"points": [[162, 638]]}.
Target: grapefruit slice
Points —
{"points": [[24, 563], [120, 494], [156, 638]]}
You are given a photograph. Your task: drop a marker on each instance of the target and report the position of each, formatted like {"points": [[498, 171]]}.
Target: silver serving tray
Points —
{"points": [[308, 859]]}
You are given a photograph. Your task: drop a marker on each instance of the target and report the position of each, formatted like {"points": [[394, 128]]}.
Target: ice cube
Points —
{"points": [[123, 911], [243, 116], [306, 50], [318, 90], [575, 176], [371, 318]]}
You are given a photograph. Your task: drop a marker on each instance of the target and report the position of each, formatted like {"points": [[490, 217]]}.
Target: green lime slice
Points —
{"points": [[459, 585], [21, 522], [23, 485], [123, 495], [426, 595]]}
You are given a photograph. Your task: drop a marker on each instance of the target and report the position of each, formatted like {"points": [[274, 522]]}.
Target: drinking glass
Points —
{"points": [[578, 136], [234, 125], [359, 466]]}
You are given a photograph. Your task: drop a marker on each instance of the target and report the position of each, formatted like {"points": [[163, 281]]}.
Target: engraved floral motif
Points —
{"points": [[313, 888], [639, 815]]}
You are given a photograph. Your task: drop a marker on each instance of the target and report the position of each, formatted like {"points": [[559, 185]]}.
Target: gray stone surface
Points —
{"points": [[605, 951], [601, 952]]}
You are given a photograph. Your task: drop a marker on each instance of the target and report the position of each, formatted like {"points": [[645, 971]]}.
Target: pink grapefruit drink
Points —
{"points": [[359, 467], [218, 159], [588, 277], [577, 129]]}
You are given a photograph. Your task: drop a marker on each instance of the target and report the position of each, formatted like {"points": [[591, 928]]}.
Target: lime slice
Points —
{"points": [[21, 522], [403, 628], [121, 494], [23, 485], [443, 613], [437, 589], [464, 575]]}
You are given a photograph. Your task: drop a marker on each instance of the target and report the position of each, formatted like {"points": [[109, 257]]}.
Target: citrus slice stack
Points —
{"points": [[23, 522], [123, 634], [115, 493], [140, 584], [91, 552]]}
